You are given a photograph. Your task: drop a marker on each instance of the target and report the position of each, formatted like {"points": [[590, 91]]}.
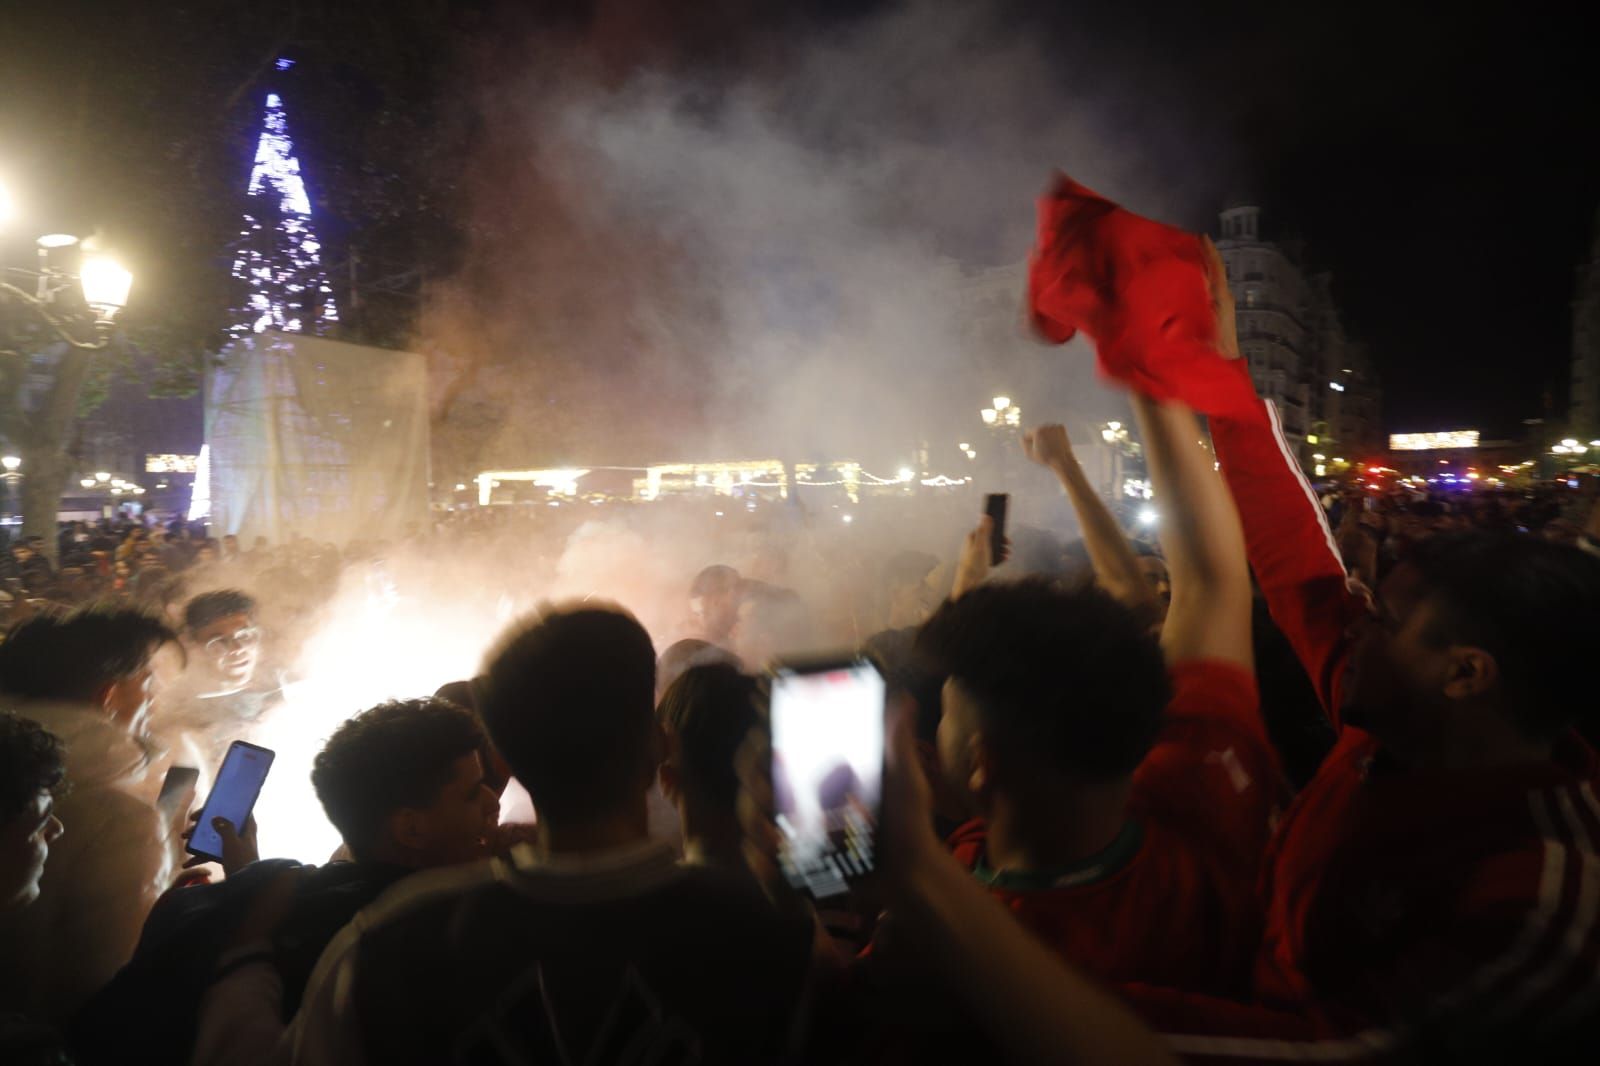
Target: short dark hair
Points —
{"points": [[1066, 676], [715, 578], [210, 606], [75, 656], [398, 754], [686, 653], [710, 710], [569, 700], [32, 760], [1528, 602], [909, 671]]}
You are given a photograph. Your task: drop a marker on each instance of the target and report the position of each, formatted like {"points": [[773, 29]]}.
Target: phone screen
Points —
{"points": [[244, 769], [827, 724]]}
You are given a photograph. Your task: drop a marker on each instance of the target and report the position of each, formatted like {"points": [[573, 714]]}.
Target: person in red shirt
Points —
{"points": [[1434, 891], [1126, 787]]}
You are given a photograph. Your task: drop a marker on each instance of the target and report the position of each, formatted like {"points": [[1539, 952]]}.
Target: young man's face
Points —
{"points": [[454, 827], [228, 649], [24, 846], [1396, 672], [1154, 569]]}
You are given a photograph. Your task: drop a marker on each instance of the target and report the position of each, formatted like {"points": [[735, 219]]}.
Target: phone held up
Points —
{"points": [[244, 771], [826, 719], [994, 505]]}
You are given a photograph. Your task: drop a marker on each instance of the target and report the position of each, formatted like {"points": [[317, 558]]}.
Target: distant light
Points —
{"points": [[1312, 438], [1319, 457], [1569, 442], [1594, 444], [461, 488], [57, 240], [1425, 442], [1335, 386], [719, 514], [1473, 477], [1572, 483], [1113, 426], [964, 446], [1148, 516], [285, 64], [1560, 449], [1002, 402], [847, 519], [11, 462], [87, 482], [1322, 471], [904, 473], [989, 415], [102, 477]]}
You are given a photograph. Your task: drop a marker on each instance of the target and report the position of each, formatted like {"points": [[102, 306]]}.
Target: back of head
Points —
{"points": [[707, 713], [1532, 604], [396, 755], [714, 580], [75, 656], [1067, 680], [32, 760], [569, 699], [684, 655]]}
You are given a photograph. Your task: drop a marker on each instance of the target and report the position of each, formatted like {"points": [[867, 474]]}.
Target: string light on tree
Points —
{"points": [[279, 255]]}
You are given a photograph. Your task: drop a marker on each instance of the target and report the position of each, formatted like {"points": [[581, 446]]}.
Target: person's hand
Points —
{"points": [[1221, 302], [906, 836], [238, 849], [1048, 445], [974, 565]]}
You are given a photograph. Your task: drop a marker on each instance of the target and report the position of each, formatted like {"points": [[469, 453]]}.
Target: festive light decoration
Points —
{"points": [[171, 464], [279, 255], [200, 500], [1429, 442]]}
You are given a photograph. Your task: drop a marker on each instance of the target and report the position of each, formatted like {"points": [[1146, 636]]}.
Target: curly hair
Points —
{"points": [[32, 760], [1066, 676]]}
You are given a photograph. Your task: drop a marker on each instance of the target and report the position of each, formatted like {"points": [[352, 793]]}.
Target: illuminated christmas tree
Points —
{"points": [[278, 254]]}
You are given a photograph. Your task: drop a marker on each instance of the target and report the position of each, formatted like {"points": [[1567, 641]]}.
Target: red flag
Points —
{"points": [[1139, 290]]}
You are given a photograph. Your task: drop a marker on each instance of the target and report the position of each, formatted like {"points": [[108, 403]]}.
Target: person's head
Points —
{"points": [[569, 700], [100, 656], [772, 622], [221, 630], [1046, 687], [22, 551], [206, 553], [404, 783], [1154, 569], [706, 715], [1476, 639], [680, 657], [32, 766], [714, 601]]}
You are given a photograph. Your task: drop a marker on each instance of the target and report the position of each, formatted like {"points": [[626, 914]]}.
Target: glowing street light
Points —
{"points": [[990, 415], [102, 477], [87, 482], [904, 473], [105, 286], [1002, 402], [56, 240], [10, 462]]}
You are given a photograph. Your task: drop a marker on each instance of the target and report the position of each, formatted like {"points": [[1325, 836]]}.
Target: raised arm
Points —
{"points": [[1201, 538], [1116, 568], [1290, 547]]}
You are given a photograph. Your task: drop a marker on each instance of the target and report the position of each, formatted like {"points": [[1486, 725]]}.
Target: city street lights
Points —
{"points": [[1005, 419], [11, 463]]}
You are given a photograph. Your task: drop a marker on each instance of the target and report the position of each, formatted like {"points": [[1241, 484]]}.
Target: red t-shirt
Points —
{"points": [[1172, 901]]}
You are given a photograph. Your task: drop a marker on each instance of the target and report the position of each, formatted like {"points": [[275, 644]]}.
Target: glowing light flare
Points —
{"points": [[1425, 442], [200, 497]]}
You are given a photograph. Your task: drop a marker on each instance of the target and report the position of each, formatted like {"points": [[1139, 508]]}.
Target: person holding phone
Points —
{"points": [[89, 678]]}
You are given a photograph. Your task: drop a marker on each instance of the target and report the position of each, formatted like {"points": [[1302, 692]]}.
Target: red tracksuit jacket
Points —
{"points": [[1392, 893]]}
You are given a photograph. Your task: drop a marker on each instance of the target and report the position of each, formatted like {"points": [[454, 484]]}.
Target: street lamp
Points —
{"points": [[990, 416], [105, 287], [10, 462]]}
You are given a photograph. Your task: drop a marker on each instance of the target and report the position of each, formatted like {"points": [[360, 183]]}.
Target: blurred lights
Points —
{"points": [[1148, 516]]}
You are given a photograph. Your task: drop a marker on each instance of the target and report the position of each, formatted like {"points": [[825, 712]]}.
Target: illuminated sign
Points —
{"points": [[170, 464], [1431, 442]]}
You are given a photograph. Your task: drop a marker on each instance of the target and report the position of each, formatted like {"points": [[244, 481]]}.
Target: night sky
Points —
{"points": [[1444, 164]]}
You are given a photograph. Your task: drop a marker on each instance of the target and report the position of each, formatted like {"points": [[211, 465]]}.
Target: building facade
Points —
{"points": [[1301, 357]]}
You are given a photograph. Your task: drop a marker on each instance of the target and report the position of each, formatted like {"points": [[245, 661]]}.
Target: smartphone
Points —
{"points": [[244, 770], [826, 719], [176, 789], [994, 505]]}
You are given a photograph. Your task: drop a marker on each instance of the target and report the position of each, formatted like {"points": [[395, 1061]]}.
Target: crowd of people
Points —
{"points": [[1308, 779]]}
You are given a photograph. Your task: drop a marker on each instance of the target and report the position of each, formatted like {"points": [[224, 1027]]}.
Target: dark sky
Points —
{"points": [[1444, 164]]}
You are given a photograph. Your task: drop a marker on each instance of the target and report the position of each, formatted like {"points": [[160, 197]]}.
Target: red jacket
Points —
{"points": [[1393, 894]]}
